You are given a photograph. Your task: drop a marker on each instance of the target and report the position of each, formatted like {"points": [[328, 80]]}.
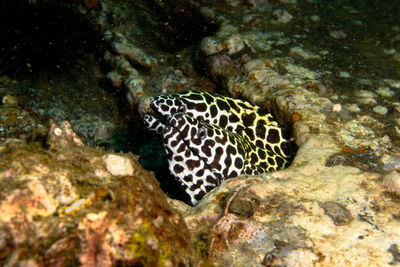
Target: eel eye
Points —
{"points": [[181, 108], [201, 133]]}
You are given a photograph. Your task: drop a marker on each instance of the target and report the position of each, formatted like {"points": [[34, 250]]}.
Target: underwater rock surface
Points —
{"points": [[308, 214], [75, 205], [335, 204]]}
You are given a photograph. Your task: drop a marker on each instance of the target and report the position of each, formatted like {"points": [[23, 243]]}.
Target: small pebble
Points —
{"points": [[57, 132], [337, 108], [353, 108], [324, 52], [390, 163], [392, 182], [393, 83], [380, 110], [303, 53], [338, 34], [344, 74], [96, 216], [242, 207], [315, 18], [338, 213], [365, 93], [385, 92], [210, 46], [338, 159], [368, 101], [282, 16], [118, 165], [234, 44], [389, 52], [10, 101], [396, 106]]}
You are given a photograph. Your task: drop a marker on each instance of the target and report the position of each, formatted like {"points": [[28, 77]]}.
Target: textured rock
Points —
{"points": [[74, 205], [392, 182], [17, 122], [118, 165], [335, 205], [307, 213]]}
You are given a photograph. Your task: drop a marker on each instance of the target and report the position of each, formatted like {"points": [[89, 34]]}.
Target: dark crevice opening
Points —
{"points": [[41, 39], [174, 24], [134, 138], [152, 157]]}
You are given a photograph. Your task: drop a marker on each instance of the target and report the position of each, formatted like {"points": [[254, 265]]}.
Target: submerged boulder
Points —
{"points": [[66, 204]]}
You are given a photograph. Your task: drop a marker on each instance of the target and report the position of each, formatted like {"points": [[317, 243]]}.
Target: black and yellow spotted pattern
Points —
{"points": [[249, 131], [251, 122], [202, 155]]}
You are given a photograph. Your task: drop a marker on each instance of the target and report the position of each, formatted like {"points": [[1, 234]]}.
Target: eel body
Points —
{"points": [[209, 138]]}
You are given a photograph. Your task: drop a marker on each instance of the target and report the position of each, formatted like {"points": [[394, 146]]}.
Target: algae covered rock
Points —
{"points": [[67, 205], [16, 122], [305, 215]]}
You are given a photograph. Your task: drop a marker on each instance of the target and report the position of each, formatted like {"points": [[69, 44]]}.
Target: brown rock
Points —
{"points": [[63, 207]]}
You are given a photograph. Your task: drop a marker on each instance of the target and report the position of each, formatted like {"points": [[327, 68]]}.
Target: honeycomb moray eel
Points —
{"points": [[248, 128], [251, 122], [202, 155]]}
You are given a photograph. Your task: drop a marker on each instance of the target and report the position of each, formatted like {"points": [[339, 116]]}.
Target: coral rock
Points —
{"points": [[118, 216]]}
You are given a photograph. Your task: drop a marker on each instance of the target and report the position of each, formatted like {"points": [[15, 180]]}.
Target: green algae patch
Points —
{"points": [[141, 247], [202, 242]]}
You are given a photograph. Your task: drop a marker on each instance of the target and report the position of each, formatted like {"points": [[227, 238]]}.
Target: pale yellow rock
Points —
{"points": [[391, 182], [118, 165], [301, 257], [67, 192], [10, 101], [380, 110], [34, 196], [297, 192]]}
